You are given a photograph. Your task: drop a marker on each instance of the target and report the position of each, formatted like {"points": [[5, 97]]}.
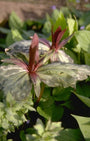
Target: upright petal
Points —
{"points": [[44, 41], [33, 52], [56, 33], [60, 35], [64, 41]]}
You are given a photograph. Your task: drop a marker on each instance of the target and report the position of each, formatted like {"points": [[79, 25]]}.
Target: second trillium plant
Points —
{"points": [[19, 75]]}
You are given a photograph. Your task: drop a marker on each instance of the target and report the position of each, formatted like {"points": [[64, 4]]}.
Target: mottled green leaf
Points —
{"points": [[63, 75], [61, 56], [15, 80], [37, 86], [23, 47]]}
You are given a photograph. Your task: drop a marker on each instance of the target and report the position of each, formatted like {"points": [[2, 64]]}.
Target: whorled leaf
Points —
{"points": [[23, 47], [61, 56], [15, 80], [63, 75], [21, 50]]}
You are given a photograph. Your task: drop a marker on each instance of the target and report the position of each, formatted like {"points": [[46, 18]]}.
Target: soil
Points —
{"points": [[28, 9]]}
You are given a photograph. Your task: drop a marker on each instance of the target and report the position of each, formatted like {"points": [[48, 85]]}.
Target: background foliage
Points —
{"points": [[62, 113]]}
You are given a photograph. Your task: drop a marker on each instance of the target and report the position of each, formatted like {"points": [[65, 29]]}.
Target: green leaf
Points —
{"points": [[15, 80], [13, 36], [39, 127], [9, 39], [22, 47], [83, 39], [61, 56], [47, 133], [16, 35], [84, 124], [37, 87], [61, 94], [87, 58], [88, 27], [48, 109], [84, 99], [70, 135], [15, 22], [63, 75], [61, 21], [4, 30], [72, 55], [83, 88], [84, 19], [72, 25], [54, 132]]}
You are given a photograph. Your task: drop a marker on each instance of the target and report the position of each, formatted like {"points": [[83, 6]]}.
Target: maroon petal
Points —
{"points": [[60, 35], [33, 52], [64, 41], [45, 42], [55, 35]]}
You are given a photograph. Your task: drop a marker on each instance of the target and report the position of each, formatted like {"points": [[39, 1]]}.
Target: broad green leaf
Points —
{"points": [[70, 135], [61, 21], [84, 123], [47, 107], [87, 58], [15, 22], [16, 35], [72, 55], [55, 15], [72, 25], [88, 27], [15, 80], [63, 75], [13, 36], [83, 39], [61, 94], [84, 99], [83, 88]]}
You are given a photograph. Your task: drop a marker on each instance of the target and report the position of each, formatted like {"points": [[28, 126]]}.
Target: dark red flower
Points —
{"points": [[56, 38]]}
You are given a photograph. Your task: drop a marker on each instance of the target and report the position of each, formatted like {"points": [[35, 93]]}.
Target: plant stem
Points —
{"points": [[41, 93]]}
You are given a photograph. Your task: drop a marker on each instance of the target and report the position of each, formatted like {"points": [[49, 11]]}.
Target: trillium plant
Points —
{"points": [[44, 76], [46, 70]]}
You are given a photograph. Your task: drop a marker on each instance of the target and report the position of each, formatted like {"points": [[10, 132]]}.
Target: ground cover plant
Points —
{"points": [[45, 79]]}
